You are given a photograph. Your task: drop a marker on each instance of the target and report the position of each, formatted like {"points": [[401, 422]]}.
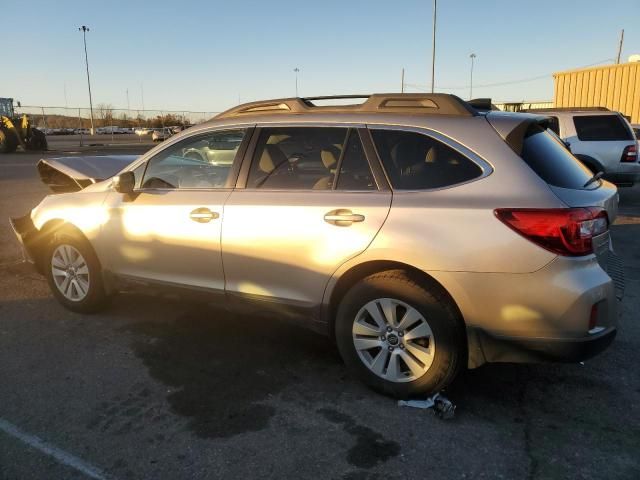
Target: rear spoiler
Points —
{"points": [[482, 104], [512, 127]]}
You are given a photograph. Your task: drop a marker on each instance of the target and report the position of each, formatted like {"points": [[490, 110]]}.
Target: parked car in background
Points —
{"points": [[143, 131], [601, 139], [180, 128], [111, 129], [161, 134], [636, 129], [82, 131], [419, 233], [58, 131]]}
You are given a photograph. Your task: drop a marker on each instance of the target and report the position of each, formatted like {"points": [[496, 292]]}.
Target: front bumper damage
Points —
{"points": [[29, 237]]}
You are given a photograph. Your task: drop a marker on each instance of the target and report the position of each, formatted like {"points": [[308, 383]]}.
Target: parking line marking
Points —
{"points": [[60, 455]]}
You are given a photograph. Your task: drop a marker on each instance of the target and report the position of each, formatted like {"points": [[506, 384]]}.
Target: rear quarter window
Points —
{"points": [[601, 128], [550, 159], [414, 161]]}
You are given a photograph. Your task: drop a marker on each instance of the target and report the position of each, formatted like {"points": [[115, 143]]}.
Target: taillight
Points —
{"points": [[630, 154], [565, 231]]}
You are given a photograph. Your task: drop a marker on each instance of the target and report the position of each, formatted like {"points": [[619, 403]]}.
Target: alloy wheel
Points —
{"points": [[70, 272], [393, 340]]}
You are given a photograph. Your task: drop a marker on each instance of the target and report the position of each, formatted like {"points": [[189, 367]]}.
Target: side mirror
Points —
{"points": [[124, 183]]}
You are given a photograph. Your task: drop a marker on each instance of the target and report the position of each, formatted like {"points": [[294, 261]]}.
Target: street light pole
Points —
{"points": [[84, 29], [472, 57], [296, 70], [433, 51]]}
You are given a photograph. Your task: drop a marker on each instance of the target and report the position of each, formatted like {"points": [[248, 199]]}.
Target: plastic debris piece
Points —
{"points": [[441, 405]]}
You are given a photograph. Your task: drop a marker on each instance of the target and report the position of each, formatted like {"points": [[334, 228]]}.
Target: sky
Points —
{"points": [[201, 55]]}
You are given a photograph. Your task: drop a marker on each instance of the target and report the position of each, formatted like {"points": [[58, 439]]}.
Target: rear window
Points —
{"points": [[418, 162], [552, 161], [601, 128]]}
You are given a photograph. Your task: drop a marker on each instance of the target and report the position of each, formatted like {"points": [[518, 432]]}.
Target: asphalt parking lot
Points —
{"points": [[160, 388]]}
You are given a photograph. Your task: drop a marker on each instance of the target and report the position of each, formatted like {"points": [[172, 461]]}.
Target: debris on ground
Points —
{"points": [[441, 405]]}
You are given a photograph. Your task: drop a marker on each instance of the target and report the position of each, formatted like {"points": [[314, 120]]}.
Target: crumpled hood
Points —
{"points": [[70, 174]]}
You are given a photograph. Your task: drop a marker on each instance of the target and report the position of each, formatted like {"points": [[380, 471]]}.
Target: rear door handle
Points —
{"points": [[342, 217], [203, 215]]}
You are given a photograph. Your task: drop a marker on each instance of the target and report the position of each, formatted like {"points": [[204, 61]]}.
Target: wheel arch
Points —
{"points": [[46, 232], [357, 272]]}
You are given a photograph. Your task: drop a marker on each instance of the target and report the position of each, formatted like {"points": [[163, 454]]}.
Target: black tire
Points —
{"points": [[8, 141], [96, 297], [37, 141], [435, 307]]}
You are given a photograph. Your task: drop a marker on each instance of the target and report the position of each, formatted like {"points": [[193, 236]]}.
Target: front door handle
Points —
{"points": [[342, 217], [203, 215]]}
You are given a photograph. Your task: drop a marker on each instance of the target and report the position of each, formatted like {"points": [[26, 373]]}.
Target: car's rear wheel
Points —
{"points": [[401, 337], [74, 274]]}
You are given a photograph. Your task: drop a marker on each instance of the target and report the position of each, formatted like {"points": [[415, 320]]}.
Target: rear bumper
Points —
{"points": [[514, 349], [543, 315], [28, 236], [628, 177]]}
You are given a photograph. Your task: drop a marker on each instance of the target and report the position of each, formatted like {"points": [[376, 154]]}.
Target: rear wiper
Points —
{"points": [[595, 178]]}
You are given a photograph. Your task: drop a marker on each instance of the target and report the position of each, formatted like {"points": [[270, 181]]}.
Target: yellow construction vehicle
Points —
{"points": [[17, 131]]}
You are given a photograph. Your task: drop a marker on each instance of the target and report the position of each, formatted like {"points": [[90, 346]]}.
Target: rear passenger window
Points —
{"points": [[417, 162], [601, 128], [308, 158]]}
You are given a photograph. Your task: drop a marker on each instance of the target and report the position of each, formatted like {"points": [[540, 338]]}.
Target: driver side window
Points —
{"points": [[199, 162]]}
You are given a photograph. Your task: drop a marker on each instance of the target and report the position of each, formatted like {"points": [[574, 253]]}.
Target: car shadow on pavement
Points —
{"points": [[222, 368]]}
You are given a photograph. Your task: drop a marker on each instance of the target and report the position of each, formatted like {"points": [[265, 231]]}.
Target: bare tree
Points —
{"points": [[105, 113]]}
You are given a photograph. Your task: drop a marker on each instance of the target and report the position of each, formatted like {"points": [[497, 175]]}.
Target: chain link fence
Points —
{"points": [[75, 123]]}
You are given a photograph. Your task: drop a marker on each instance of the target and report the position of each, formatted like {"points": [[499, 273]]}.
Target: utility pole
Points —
{"points": [[433, 51], [297, 70], [402, 84], [66, 103], [84, 29], [472, 57], [620, 46]]}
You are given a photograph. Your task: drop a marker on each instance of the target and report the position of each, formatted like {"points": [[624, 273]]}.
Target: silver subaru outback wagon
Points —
{"points": [[422, 235]]}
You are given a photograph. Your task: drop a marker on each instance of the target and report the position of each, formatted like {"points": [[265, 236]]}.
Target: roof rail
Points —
{"points": [[424, 103], [566, 109]]}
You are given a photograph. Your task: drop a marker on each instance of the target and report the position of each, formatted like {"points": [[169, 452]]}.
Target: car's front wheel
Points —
{"points": [[400, 337], [74, 274]]}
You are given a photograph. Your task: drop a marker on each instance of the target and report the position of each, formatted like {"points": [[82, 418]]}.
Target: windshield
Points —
{"points": [[550, 159]]}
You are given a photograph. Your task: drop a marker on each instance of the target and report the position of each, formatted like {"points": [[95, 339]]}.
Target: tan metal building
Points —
{"points": [[616, 87]]}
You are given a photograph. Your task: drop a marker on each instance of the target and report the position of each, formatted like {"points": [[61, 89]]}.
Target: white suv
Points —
{"points": [[603, 140]]}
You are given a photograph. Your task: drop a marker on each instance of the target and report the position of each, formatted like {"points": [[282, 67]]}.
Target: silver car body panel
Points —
{"points": [[276, 246]]}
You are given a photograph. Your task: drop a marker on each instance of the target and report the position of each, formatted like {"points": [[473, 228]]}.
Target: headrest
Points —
{"points": [[271, 158], [329, 158], [432, 155], [403, 154]]}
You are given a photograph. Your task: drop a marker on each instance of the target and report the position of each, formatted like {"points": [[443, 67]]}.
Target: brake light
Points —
{"points": [[565, 231], [630, 154]]}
